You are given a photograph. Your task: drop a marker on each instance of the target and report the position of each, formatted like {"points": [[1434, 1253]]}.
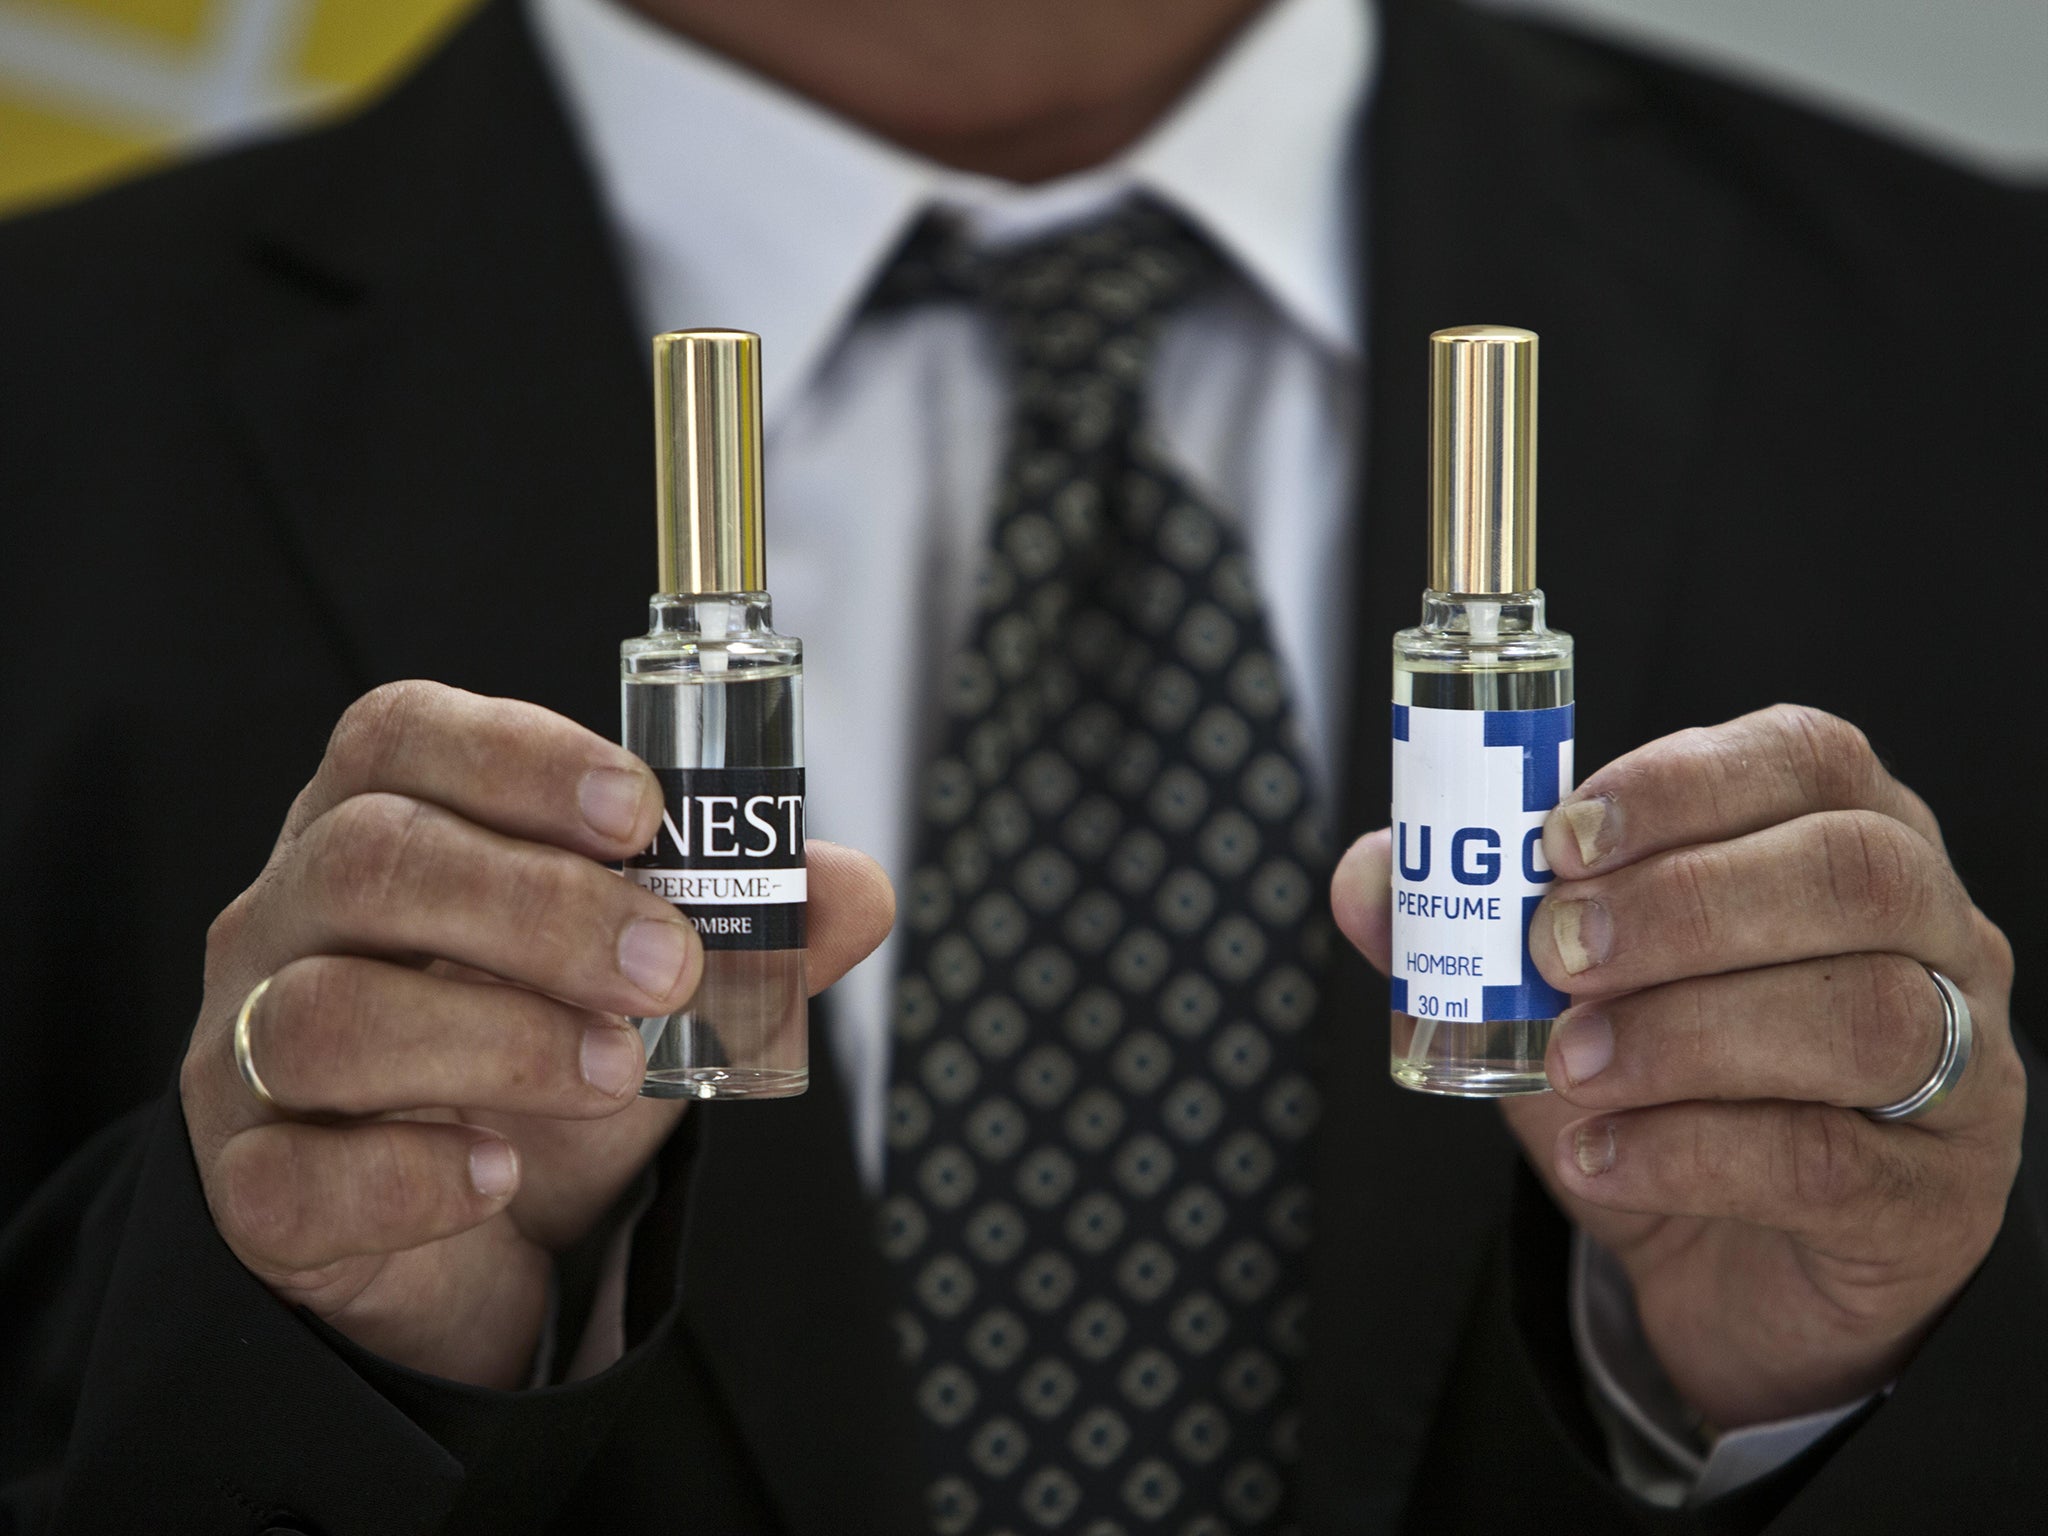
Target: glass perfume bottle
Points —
{"points": [[712, 700], [1482, 740]]}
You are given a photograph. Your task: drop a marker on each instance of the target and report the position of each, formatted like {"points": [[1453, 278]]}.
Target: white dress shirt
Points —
{"points": [[740, 204]]}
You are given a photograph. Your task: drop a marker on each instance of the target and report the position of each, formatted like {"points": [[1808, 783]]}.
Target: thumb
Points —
{"points": [[852, 908], [1359, 898]]}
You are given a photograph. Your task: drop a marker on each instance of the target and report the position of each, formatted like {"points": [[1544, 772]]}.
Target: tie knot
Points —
{"points": [[1080, 307], [1121, 271]]}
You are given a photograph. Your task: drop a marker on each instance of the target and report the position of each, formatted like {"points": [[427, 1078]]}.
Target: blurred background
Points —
{"points": [[91, 90]]}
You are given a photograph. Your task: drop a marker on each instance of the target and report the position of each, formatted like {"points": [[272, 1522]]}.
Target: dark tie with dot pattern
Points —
{"points": [[1099, 1111]]}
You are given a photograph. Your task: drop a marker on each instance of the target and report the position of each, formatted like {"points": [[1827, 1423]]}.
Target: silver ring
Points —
{"points": [[1957, 1039], [245, 1061]]}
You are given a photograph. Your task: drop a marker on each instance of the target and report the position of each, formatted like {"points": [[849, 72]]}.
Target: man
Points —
{"points": [[378, 419]]}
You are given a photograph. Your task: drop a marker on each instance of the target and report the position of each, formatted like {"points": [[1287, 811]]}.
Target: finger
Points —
{"points": [[1710, 785], [1358, 899], [290, 1197], [386, 876], [1806, 1169], [1839, 882], [1854, 1031], [515, 767], [338, 1035], [852, 908]]}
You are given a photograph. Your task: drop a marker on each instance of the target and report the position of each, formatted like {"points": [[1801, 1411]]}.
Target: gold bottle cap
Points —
{"points": [[1482, 459], [707, 447]]}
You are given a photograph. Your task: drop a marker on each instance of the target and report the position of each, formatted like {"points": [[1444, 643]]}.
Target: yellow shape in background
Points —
{"points": [[165, 21], [43, 153], [53, 145], [357, 44]]}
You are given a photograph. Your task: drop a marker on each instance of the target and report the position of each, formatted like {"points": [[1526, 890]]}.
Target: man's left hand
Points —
{"points": [[1744, 917]]}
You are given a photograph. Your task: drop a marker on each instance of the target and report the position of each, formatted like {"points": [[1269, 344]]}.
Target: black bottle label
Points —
{"points": [[730, 854]]}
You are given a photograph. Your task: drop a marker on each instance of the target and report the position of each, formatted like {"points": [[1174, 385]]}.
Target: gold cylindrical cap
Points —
{"points": [[1482, 459], [707, 447]]}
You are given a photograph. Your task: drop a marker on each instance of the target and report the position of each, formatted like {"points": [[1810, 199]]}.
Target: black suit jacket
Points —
{"points": [[368, 403]]}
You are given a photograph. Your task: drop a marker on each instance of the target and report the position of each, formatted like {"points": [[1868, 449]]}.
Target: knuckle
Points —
{"points": [[1703, 1044], [1888, 1023], [1693, 879], [1821, 1160], [226, 983], [540, 1049], [544, 1066], [1696, 763], [1870, 870], [1829, 758], [314, 1025], [368, 851], [196, 1069], [233, 931], [2006, 1087], [1711, 1158], [1996, 1084], [257, 1197], [373, 731], [227, 927], [1713, 765], [1702, 1160], [542, 893], [1998, 962], [391, 1196], [1695, 744]]}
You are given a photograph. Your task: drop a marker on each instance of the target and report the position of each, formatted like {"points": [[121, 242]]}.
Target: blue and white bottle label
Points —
{"points": [[1471, 787]]}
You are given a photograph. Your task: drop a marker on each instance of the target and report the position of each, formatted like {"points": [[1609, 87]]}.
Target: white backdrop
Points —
{"points": [[1968, 78]]}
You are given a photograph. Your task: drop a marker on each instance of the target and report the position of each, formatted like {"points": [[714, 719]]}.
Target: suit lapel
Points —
{"points": [[443, 387], [446, 395], [1511, 178]]}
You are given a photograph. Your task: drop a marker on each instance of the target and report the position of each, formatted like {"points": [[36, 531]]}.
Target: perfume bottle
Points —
{"points": [[712, 700], [1482, 739]]}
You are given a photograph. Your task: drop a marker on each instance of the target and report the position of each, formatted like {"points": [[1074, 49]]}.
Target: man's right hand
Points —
{"points": [[444, 1034]]}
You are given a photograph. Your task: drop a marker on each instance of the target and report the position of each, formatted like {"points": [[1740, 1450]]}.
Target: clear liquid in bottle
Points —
{"points": [[1441, 1042], [714, 688]]}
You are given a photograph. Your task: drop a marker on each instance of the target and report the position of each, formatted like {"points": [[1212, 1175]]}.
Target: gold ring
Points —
{"points": [[245, 1062]]}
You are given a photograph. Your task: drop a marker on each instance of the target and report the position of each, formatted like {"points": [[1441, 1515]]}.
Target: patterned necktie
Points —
{"points": [[1099, 1109]]}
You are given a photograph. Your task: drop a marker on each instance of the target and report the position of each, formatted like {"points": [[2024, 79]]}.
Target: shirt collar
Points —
{"points": [[1261, 154], [741, 203]]}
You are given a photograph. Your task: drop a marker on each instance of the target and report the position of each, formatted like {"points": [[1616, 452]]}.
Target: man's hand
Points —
{"points": [[1743, 917], [450, 967]]}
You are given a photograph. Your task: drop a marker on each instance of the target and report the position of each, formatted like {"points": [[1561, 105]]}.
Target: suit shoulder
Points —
{"points": [[167, 233], [1848, 195], [127, 242]]}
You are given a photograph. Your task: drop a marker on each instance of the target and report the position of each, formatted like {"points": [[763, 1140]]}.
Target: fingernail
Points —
{"points": [[1582, 932], [652, 954], [1593, 1148], [493, 1168], [1596, 825], [610, 1059], [1585, 1044], [611, 799]]}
